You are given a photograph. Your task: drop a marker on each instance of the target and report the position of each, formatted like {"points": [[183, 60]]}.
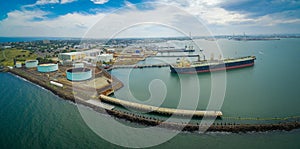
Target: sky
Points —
{"points": [[145, 18]]}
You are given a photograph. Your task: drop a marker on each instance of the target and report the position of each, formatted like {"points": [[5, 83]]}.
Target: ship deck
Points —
{"points": [[217, 62]]}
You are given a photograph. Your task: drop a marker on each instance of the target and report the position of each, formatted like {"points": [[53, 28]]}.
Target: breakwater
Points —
{"points": [[149, 121], [192, 127], [159, 110]]}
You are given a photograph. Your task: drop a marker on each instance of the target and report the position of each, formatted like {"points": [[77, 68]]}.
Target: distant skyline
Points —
{"points": [[73, 18]]}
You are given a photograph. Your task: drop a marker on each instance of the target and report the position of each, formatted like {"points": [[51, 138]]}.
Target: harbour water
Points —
{"points": [[269, 89], [32, 117]]}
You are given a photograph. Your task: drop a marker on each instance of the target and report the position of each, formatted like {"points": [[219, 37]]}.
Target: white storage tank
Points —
{"points": [[31, 63], [18, 65], [79, 74], [47, 67]]}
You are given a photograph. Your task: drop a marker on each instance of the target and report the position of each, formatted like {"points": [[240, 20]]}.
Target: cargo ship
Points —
{"points": [[184, 66]]}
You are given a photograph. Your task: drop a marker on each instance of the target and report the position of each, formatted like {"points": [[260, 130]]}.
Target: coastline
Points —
{"points": [[148, 121]]}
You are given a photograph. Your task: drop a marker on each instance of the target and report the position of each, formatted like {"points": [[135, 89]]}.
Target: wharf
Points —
{"points": [[174, 50], [139, 66], [159, 110], [191, 55]]}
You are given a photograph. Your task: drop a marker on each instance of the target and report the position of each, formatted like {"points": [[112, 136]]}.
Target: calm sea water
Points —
{"points": [[269, 89], [32, 117]]}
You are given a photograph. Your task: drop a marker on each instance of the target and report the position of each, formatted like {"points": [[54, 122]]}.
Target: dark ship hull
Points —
{"points": [[210, 66]]}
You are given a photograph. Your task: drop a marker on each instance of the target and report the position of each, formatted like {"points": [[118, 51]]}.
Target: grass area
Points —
{"points": [[7, 56]]}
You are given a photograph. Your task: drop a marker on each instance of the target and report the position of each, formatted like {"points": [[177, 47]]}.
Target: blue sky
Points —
{"points": [[57, 7], [74, 18]]}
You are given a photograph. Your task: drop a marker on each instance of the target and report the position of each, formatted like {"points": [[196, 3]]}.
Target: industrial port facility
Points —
{"points": [[75, 74]]}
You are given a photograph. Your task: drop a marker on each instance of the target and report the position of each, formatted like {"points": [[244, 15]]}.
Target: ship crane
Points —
{"points": [[199, 57]]}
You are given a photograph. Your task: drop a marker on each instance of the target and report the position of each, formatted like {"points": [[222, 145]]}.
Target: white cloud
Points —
{"points": [[159, 20], [155, 22], [129, 5], [99, 1], [209, 11], [67, 1], [275, 19], [222, 21], [43, 2], [21, 23]]}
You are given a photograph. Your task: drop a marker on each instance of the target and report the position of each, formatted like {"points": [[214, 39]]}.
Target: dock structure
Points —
{"points": [[174, 50], [159, 110], [183, 55], [140, 66]]}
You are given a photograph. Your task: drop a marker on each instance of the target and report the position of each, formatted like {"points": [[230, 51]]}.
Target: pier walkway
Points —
{"points": [[190, 55], [139, 66], [174, 50], [165, 111]]}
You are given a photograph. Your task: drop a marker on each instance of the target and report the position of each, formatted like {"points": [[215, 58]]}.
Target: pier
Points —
{"points": [[190, 55], [139, 66], [175, 50], [159, 110]]}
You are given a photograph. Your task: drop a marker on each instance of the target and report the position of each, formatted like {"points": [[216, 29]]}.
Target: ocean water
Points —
{"points": [[269, 89], [32, 117]]}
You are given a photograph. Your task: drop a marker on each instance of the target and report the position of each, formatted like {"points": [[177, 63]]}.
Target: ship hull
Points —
{"points": [[211, 68]]}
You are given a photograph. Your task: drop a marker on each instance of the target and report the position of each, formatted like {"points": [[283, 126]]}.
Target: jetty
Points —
{"points": [[174, 50], [139, 66], [183, 55], [160, 110]]}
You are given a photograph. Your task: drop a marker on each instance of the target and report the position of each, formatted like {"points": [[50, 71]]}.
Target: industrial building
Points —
{"points": [[92, 52], [105, 58], [78, 65], [110, 50], [71, 56]]}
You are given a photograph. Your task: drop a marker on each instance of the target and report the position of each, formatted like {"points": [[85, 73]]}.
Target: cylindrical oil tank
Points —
{"points": [[79, 74], [31, 63], [18, 65], [47, 67]]}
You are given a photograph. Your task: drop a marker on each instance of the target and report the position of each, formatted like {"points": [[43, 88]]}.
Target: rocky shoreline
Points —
{"points": [[148, 121]]}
